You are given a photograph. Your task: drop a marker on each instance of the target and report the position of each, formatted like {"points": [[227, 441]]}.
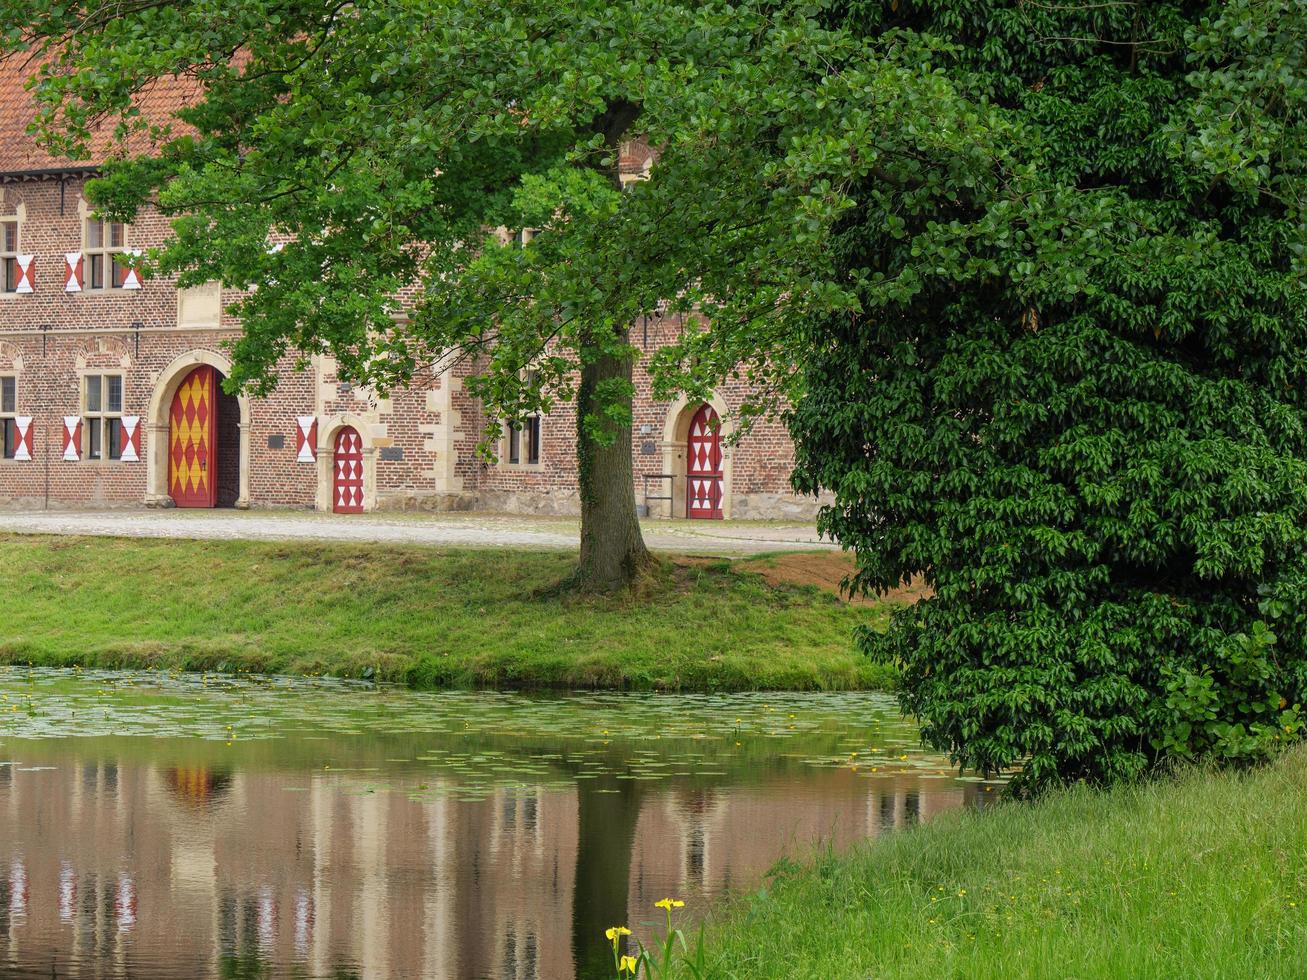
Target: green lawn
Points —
{"points": [[423, 616], [1200, 877]]}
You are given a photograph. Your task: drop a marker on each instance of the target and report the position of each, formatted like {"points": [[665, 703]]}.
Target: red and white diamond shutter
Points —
{"points": [[72, 438], [131, 439], [703, 466], [131, 277], [23, 425], [73, 272], [26, 269], [347, 473], [306, 439]]}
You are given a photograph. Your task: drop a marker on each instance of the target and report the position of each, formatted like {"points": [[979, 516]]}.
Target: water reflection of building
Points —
{"points": [[708, 840], [135, 868], [132, 867]]}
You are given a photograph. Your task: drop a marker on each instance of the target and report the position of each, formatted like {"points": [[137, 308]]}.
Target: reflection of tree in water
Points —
{"points": [[608, 810], [198, 785], [608, 813]]}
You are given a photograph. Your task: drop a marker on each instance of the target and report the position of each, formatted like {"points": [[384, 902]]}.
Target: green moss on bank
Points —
{"points": [[1203, 876], [425, 617]]}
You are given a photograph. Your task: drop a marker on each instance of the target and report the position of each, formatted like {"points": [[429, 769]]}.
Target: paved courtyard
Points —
{"points": [[723, 538]]}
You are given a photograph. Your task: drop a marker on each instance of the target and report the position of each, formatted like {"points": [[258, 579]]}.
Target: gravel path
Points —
{"points": [[723, 538]]}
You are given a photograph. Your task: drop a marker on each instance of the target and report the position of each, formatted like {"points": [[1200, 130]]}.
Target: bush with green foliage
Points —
{"points": [[1074, 399]]}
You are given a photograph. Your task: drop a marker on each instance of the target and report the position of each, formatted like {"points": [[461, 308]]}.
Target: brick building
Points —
{"points": [[110, 394]]}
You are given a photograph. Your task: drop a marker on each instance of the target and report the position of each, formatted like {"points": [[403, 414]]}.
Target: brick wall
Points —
{"points": [[421, 441], [759, 464]]}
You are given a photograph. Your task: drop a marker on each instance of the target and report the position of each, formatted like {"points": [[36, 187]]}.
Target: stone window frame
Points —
{"points": [[9, 257], [510, 441], [102, 419], [8, 414], [106, 251]]}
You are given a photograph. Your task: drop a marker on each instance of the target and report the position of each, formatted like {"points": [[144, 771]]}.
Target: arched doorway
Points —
{"points": [[678, 424], [703, 465], [203, 442], [347, 472], [190, 412]]}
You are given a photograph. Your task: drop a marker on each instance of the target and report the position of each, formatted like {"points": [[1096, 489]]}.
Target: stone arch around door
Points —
{"points": [[328, 429], [676, 432], [156, 426]]}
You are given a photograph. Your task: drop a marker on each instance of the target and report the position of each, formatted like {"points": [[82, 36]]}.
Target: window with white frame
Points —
{"points": [[102, 416], [105, 243], [9, 414], [9, 254], [522, 438]]}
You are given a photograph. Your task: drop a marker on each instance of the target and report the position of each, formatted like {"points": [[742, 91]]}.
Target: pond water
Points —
{"points": [[180, 826]]}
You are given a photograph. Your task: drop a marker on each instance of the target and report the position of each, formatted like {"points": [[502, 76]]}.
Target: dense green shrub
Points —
{"points": [[1075, 399]]}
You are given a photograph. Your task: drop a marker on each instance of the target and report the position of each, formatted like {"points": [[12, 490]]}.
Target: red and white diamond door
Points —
{"points": [[347, 482], [703, 466]]}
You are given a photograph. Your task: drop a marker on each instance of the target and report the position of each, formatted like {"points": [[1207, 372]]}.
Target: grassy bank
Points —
{"points": [[421, 616], [1204, 876]]}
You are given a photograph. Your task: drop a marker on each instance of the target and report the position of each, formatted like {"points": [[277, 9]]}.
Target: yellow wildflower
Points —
{"points": [[628, 964], [669, 904], [616, 931]]}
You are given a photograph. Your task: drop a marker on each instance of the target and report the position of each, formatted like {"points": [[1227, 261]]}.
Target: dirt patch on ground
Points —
{"points": [[826, 570]]}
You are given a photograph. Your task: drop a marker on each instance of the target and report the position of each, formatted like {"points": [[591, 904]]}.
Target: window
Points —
{"points": [[8, 414], [105, 241], [102, 423], [523, 438], [9, 253], [524, 442]]}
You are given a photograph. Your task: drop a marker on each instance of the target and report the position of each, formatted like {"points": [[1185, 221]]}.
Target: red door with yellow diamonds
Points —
{"points": [[192, 473], [347, 467], [703, 466]]}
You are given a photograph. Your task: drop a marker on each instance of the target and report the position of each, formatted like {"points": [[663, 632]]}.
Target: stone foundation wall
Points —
{"points": [[775, 506]]}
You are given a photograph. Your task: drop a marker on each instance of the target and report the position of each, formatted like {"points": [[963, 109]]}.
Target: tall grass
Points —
{"points": [[423, 616], [1201, 876]]}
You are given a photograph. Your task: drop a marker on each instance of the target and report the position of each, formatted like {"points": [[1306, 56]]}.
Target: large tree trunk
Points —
{"points": [[612, 548], [608, 810]]}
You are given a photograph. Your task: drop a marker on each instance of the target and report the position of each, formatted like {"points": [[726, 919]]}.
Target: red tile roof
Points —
{"points": [[19, 150]]}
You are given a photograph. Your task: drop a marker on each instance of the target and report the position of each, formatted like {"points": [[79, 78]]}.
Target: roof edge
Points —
{"points": [[73, 170]]}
